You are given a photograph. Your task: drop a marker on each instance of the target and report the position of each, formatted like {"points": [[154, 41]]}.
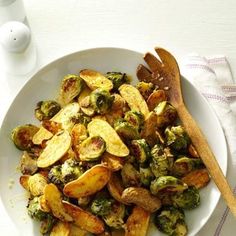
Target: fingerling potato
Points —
{"points": [[60, 229]]}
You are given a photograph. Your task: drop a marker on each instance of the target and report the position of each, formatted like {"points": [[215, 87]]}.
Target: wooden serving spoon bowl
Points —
{"points": [[165, 74]]}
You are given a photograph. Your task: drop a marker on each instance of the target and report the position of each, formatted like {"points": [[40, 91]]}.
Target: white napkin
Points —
{"points": [[213, 78]]}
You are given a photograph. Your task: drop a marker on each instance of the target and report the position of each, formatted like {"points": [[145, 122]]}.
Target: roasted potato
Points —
{"points": [[42, 135], [113, 163], [77, 231], [155, 98], [60, 229]]}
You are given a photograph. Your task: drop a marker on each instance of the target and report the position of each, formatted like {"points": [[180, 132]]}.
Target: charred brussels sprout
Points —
{"points": [[184, 165], [46, 109], [102, 206], [71, 87], [126, 131], [101, 101], [70, 170], [130, 176], [161, 161], [171, 221], [188, 199], [135, 118], [168, 183], [47, 224], [166, 114], [92, 148], [35, 211], [140, 150], [115, 219], [145, 89], [177, 138], [55, 176], [146, 176], [22, 136], [117, 78]]}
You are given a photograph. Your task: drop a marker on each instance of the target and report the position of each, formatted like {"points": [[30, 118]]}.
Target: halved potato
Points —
{"points": [[115, 188], [95, 80], [141, 197], [84, 93], [77, 231], [85, 220], [53, 199], [60, 229], [55, 149], [43, 204], [42, 135], [24, 181], [155, 98], [137, 223], [88, 183], [114, 144], [66, 114], [114, 163], [134, 99]]}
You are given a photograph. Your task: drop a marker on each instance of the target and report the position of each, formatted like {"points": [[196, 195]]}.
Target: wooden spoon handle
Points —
{"points": [[207, 156]]}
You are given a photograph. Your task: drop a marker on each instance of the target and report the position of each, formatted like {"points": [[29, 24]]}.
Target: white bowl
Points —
{"points": [[45, 85]]}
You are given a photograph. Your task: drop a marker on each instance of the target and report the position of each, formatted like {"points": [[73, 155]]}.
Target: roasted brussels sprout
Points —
{"points": [[184, 165], [146, 176], [101, 101], [126, 131], [86, 106], [47, 224], [166, 114], [130, 176], [167, 183], [22, 136], [35, 211], [161, 161], [171, 220], [188, 199], [177, 138], [135, 118], [28, 164], [36, 184], [140, 150], [55, 176], [70, 170], [82, 119], [46, 109], [92, 148], [102, 206], [145, 89], [71, 87], [117, 78], [115, 219]]}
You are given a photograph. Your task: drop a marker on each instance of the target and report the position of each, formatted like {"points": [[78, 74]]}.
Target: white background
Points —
{"points": [[59, 27]]}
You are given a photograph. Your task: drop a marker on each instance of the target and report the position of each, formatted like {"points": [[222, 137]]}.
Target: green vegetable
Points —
{"points": [[130, 176], [140, 150], [145, 89], [35, 211], [177, 138], [184, 165], [117, 78], [55, 176], [161, 161], [47, 224], [102, 206], [167, 183], [46, 109], [126, 131], [22, 136], [146, 176], [166, 114], [188, 199], [71, 87], [92, 148], [70, 170], [115, 219], [101, 101], [171, 221], [135, 118]]}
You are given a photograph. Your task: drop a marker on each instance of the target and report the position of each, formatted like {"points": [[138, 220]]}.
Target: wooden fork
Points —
{"points": [[165, 74]]}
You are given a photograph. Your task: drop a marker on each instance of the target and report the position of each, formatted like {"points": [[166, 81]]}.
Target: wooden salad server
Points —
{"points": [[165, 74]]}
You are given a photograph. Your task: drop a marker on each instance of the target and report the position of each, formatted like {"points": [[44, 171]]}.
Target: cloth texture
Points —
{"points": [[213, 78]]}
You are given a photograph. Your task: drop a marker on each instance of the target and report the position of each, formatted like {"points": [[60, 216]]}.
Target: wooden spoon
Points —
{"points": [[166, 75]]}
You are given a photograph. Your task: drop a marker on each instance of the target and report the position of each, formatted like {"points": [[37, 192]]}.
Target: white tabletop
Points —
{"points": [[60, 27]]}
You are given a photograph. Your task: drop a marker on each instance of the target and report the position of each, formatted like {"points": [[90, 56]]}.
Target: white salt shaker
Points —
{"points": [[18, 50], [12, 10]]}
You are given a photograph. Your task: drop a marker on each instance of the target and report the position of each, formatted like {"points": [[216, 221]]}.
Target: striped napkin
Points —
{"points": [[213, 78]]}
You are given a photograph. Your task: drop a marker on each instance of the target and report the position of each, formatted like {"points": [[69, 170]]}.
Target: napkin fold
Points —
{"points": [[213, 78]]}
